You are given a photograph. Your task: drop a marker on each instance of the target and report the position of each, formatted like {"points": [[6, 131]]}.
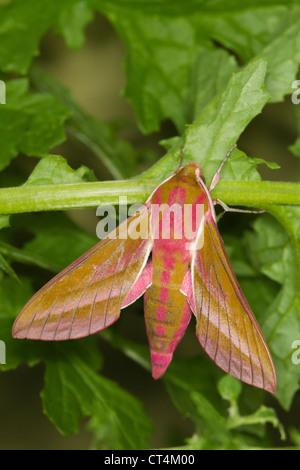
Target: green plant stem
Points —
{"points": [[71, 196], [81, 195], [257, 194]]}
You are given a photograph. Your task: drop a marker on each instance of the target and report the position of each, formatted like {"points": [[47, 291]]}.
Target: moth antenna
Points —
{"points": [[181, 155], [216, 176], [180, 159]]}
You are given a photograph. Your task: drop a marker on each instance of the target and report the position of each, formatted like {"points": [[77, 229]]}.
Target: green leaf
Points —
{"points": [[261, 416], [5, 266], [271, 33], [74, 390], [223, 121], [4, 221], [237, 254], [213, 421], [195, 396], [54, 169], [219, 127], [295, 148], [212, 71], [29, 123], [24, 22], [183, 379], [22, 256], [56, 240], [13, 297], [152, 43], [165, 52], [294, 436], [73, 18], [278, 257], [173, 72], [229, 388], [118, 155]]}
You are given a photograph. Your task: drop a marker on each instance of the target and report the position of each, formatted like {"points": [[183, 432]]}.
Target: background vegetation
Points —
{"points": [[204, 73]]}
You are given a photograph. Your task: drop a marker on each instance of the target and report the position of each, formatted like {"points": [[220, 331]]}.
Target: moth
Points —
{"points": [[172, 254]]}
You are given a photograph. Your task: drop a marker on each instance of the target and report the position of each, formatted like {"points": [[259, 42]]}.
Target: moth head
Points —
{"points": [[199, 173], [192, 170]]}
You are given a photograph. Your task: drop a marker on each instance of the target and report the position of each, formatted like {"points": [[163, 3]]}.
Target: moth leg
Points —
{"points": [[234, 209], [216, 176]]}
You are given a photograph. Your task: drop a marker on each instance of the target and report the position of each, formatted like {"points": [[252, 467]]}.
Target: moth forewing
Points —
{"points": [[189, 272]]}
